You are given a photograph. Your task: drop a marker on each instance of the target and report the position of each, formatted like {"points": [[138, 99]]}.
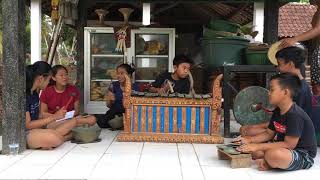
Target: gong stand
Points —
{"points": [[228, 73]]}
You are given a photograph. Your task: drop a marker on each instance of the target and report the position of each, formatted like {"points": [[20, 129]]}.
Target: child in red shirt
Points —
{"points": [[61, 97]]}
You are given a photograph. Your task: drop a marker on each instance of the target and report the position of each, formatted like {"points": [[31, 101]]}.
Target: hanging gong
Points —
{"points": [[250, 106]]}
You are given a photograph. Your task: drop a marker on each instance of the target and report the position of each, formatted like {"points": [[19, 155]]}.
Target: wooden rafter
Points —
{"points": [[238, 11], [162, 9]]}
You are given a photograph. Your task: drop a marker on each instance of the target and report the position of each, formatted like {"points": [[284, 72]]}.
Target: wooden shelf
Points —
{"points": [[107, 55], [107, 80], [152, 56]]}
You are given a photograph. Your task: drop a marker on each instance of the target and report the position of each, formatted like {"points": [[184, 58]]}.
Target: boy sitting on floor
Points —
{"points": [[179, 78], [290, 60], [291, 128]]}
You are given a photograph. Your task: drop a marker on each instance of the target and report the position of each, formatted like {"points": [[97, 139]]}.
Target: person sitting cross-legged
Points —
{"points": [[292, 130]]}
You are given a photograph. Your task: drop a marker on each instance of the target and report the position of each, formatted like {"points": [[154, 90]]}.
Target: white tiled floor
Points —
{"points": [[113, 160]]}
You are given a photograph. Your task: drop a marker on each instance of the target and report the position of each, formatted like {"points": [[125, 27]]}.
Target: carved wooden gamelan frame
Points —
{"points": [[214, 103]]}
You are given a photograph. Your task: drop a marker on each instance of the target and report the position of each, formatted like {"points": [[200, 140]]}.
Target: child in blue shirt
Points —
{"points": [[115, 96]]}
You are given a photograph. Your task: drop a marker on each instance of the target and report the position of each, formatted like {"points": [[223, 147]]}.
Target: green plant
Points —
{"points": [[304, 1], [248, 30]]}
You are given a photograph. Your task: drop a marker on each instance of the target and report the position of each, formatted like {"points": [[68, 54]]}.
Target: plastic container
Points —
{"points": [[223, 51], [255, 57], [208, 33], [222, 25], [14, 149]]}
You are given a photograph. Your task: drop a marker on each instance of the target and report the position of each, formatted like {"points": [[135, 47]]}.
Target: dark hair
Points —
{"points": [[288, 81], [181, 58], [39, 68], [55, 70], [130, 70], [296, 54]]}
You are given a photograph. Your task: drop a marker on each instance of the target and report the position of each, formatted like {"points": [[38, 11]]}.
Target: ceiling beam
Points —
{"points": [[237, 11], [162, 9]]}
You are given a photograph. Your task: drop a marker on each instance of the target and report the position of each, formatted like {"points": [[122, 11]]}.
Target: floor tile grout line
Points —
{"points": [[180, 161], [113, 140], [136, 174], [15, 162], [194, 149], [95, 165], [58, 161], [62, 158]]}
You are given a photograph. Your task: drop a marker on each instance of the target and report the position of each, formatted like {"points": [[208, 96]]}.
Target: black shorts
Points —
{"points": [[300, 160]]}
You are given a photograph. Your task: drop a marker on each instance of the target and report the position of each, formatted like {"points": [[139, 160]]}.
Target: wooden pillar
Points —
{"points": [[271, 13], [81, 23], [14, 94]]}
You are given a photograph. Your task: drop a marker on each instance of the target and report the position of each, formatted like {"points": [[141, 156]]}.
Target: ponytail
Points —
{"points": [[129, 69], [39, 68], [29, 78]]}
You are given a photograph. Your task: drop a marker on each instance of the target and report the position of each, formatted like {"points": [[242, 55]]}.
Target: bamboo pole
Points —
{"points": [[56, 36]]}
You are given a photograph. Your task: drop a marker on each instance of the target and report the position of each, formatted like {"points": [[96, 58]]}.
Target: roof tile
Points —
{"points": [[295, 19]]}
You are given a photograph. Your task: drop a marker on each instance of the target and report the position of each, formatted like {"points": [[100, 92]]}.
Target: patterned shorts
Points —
{"points": [[300, 160]]}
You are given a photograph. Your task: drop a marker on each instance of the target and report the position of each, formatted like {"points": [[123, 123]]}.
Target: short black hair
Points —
{"points": [[296, 54], [288, 81], [181, 58], [56, 68]]}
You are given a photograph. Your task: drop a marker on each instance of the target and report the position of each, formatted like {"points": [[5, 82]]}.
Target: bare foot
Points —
{"points": [[257, 155], [90, 121], [67, 137], [262, 165]]}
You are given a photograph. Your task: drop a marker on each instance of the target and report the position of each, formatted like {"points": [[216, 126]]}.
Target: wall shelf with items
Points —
{"points": [[152, 52]]}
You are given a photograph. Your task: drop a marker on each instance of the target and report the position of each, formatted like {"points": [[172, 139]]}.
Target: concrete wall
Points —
{"points": [[1, 109]]}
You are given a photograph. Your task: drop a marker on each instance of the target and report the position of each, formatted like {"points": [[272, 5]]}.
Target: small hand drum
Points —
{"points": [[250, 106]]}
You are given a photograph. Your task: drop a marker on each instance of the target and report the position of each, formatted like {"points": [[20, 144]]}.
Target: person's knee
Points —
{"points": [[247, 130], [46, 140], [53, 140], [257, 155], [274, 157], [243, 130]]}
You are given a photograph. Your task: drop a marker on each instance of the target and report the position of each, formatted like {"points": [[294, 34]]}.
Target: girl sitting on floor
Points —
{"points": [[62, 97], [113, 117], [38, 135]]}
